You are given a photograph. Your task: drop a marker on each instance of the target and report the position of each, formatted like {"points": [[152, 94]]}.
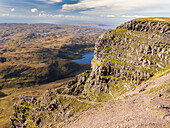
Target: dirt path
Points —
{"points": [[77, 98], [159, 81], [140, 111], [136, 112]]}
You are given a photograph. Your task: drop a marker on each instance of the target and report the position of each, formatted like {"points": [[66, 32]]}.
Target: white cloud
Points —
{"points": [[134, 16], [63, 16], [7, 14], [51, 1], [48, 15], [56, 0], [42, 15], [13, 9], [110, 16], [119, 7], [109, 4], [34, 10], [76, 17]]}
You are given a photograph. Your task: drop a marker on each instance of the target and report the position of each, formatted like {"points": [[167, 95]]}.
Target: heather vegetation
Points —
{"points": [[127, 86], [33, 54]]}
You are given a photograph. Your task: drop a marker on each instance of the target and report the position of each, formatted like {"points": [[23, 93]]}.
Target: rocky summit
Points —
{"points": [[125, 58]]}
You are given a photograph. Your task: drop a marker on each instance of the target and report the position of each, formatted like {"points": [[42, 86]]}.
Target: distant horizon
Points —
{"points": [[109, 12], [107, 24]]}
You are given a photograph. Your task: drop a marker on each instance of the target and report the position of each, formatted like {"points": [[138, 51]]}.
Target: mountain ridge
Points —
{"points": [[123, 58]]}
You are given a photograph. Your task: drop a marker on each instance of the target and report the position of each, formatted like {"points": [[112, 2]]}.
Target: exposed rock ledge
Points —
{"points": [[124, 57]]}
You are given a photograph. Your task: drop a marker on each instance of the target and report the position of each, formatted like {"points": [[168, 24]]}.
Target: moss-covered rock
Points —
{"points": [[128, 55], [124, 57]]}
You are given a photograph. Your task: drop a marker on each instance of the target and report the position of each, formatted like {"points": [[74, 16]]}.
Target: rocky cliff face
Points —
{"points": [[124, 57]]}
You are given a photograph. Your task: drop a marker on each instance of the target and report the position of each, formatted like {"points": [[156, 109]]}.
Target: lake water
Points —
{"points": [[61, 35], [87, 57], [4, 27], [103, 27], [42, 63], [46, 32]]}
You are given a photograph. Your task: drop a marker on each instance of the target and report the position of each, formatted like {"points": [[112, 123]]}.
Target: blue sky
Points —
{"points": [[81, 11]]}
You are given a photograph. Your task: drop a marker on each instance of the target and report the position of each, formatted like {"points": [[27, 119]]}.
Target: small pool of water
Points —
{"points": [[46, 32], [61, 35], [4, 27], [42, 63], [87, 57], [104, 26]]}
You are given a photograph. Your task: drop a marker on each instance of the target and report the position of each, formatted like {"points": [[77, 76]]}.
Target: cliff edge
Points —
{"points": [[124, 58]]}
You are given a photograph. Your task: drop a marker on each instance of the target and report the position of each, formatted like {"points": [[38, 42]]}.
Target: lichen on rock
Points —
{"points": [[123, 58], [128, 55]]}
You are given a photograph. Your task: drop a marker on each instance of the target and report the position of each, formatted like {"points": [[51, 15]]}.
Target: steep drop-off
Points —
{"points": [[124, 57], [35, 54]]}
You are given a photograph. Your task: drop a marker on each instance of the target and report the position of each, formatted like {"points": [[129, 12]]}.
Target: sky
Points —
{"points": [[80, 11]]}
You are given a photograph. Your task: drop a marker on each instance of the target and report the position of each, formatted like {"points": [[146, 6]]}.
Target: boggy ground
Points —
{"points": [[33, 54], [147, 106]]}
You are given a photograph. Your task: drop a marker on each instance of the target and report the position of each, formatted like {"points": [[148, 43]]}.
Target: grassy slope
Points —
{"points": [[6, 103], [160, 73], [25, 46], [159, 19]]}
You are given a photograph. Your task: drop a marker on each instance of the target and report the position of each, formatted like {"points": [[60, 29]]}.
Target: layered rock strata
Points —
{"points": [[124, 57]]}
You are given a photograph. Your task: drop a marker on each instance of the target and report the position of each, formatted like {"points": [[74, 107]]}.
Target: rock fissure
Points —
{"points": [[123, 58]]}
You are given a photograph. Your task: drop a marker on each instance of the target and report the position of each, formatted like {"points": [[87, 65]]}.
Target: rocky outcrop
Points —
{"points": [[44, 112], [124, 57], [147, 26]]}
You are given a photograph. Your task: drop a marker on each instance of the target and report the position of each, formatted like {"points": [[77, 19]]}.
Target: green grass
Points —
{"points": [[115, 61], [158, 89], [168, 91], [90, 92], [101, 65], [121, 29], [98, 97], [111, 77], [156, 19], [75, 105], [102, 97], [26, 106], [107, 48], [116, 33], [86, 74], [30, 124], [6, 103], [117, 87], [160, 73]]}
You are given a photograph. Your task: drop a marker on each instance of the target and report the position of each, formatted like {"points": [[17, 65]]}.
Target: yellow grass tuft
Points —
{"points": [[157, 19]]}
